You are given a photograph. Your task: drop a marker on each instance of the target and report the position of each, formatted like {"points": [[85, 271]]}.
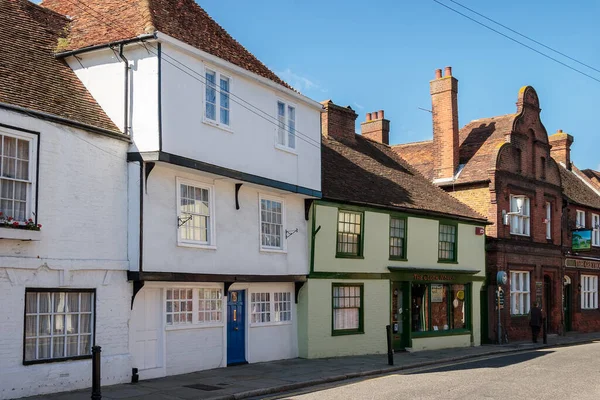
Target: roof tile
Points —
{"points": [[103, 21], [368, 172], [31, 77]]}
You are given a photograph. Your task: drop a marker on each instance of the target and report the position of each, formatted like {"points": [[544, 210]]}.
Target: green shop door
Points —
{"points": [[399, 315]]}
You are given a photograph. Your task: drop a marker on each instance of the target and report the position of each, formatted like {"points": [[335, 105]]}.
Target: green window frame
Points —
{"points": [[448, 242], [350, 228], [398, 227], [347, 309]]}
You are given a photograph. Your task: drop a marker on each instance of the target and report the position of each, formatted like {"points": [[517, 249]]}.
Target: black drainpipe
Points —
{"points": [[126, 91]]}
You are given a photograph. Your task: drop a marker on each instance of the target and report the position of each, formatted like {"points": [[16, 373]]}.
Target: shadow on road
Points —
{"points": [[496, 362]]}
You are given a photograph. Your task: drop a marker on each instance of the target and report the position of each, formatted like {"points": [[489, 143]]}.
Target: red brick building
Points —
{"points": [[581, 239], [502, 167]]}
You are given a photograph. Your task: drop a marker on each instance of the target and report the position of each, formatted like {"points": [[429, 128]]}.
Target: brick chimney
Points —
{"points": [[561, 147], [338, 122], [376, 127], [444, 102]]}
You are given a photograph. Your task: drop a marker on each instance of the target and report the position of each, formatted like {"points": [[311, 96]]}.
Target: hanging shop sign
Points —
{"points": [[582, 240]]}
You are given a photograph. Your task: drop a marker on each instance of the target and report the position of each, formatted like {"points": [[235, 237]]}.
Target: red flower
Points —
{"points": [[29, 220], [1, 213], [39, 225], [15, 223], [10, 218]]}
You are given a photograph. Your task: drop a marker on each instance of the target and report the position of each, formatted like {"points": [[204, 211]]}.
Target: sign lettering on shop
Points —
{"points": [[587, 264], [427, 277]]}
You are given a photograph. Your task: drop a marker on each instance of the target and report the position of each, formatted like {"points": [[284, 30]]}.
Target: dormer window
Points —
{"points": [[519, 215]]}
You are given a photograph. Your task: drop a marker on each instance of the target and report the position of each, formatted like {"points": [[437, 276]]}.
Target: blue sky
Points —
{"points": [[382, 55]]}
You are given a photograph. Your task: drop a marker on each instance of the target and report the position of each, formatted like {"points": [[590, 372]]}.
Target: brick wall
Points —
{"points": [[338, 122], [444, 103]]}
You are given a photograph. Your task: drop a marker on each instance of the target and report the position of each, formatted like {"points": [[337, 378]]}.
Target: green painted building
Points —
{"points": [[387, 248]]}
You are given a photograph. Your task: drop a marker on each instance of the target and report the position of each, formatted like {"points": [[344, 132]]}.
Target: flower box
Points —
{"points": [[20, 234]]}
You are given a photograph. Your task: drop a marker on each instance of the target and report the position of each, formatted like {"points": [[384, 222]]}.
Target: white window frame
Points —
{"points": [[212, 237], [589, 292], [196, 323], [580, 220], [285, 146], [283, 247], [30, 210], [217, 121], [272, 312], [52, 315], [523, 217], [548, 220], [520, 290], [596, 230]]}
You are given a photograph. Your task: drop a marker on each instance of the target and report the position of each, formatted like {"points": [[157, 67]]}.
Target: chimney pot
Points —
{"points": [[380, 114], [448, 71], [560, 131], [438, 73], [375, 116], [368, 116]]}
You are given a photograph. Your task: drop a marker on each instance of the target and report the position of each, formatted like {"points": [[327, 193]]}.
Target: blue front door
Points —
{"points": [[236, 328]]}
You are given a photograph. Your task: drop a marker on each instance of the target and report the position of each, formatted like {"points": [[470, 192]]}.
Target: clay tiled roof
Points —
{"points": [[368, 172], [30, 76], [576, 190], [479, 140], [594, 177], [97, 22]]}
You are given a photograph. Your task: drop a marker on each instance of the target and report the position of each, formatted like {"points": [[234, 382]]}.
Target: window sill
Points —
{"points": [[398, 259], [275, 250], [286, 149], [183, 327], [519, 315], [519, 234], [197, 245], [454, 332], [345, 333], [20, 234], [214, 124], [447, 261], [351, 256], [267, 324], [54, 360], [587, 310]]}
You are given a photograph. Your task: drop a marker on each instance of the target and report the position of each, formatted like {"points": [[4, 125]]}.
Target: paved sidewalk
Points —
{"points": [[279, 376]]}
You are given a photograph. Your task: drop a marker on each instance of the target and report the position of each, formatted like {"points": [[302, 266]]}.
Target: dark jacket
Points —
{"points": [[535, 317]]}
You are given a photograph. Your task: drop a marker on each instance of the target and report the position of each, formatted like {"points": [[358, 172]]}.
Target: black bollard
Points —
{"points": [[545, 333], [96, 390], [388, 330]]}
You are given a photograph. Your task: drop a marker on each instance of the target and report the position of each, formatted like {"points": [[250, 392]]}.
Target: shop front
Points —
{"points": [[580, 294], [434, 308]]}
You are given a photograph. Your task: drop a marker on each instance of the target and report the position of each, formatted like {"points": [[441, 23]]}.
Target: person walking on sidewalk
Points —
{"points": [[535, 321]]}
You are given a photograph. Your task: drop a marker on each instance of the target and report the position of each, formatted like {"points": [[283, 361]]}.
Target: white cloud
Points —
{"points": [[299, 82], [359, 106]]}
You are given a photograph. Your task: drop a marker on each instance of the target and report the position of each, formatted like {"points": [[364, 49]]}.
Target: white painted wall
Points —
{"points": [[103, 74], [83, 244], [237, 231], [250, 144], [189, 348]]}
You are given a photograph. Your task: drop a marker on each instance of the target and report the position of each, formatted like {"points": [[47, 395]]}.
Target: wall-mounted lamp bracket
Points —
{"points": [[181, 222], [290, 233]]}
